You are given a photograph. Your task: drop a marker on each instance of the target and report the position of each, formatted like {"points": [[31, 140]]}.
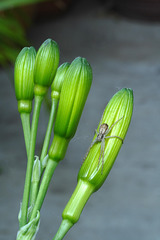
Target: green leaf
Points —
{"points": [[8, 4]]}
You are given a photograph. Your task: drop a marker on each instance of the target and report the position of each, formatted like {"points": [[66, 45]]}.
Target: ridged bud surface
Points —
{"points": [[46, 64], [119, 107], [58, 80], [75, 89], [90, 178], [23, 78]]}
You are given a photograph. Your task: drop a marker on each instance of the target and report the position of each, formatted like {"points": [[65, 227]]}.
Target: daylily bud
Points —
{"points": [[58, 80], [74, 93], [90, 177], [120, 106], [46, 64], [75, 89], [23, 77]]}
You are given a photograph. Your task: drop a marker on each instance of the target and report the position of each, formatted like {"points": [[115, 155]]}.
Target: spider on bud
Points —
{"points": [[104, 130]]}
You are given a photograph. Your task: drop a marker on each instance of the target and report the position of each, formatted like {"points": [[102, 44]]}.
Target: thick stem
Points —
{"points": [[74, 207], [25, 118], [51, 166], [49, 129], [36, 112], [77, 201]]}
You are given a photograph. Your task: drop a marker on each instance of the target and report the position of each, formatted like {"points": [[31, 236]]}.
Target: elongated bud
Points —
{"points": [[74, 93], [75, 89], [58, 80], [90, 177], [46, 64], [23, 79], [118, 109]]}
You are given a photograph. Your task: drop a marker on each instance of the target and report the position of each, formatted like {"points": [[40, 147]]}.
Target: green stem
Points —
{"points": [[63, 229], [34, 192], [49, 130], [36, 112], [56, 153], [51, 166], [35, 185], [25, 118], [74, 207]]}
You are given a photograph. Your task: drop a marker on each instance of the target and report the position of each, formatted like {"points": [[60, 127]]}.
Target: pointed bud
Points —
{"points": [[74, 93], [58, 80], [91, 177], [36, 173], [23, 77], [75, 89], [46, 64], [119, 110]]}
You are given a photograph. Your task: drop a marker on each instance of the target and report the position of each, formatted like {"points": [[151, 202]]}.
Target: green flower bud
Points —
{"points": [[58, 80], [46, 64], [23, 77], [75, 89], [74, 93], [91, 177], [118, 109]]}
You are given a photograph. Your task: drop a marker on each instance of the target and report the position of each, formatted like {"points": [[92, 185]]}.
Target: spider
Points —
{"points": [[104, 130]]}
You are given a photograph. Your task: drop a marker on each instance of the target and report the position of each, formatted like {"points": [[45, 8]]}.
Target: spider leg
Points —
{"points": [[101, 155], [92, 143], [114, 137], [101, 119], [96, 132], [113, 125], [102, 147], [100, 123]]}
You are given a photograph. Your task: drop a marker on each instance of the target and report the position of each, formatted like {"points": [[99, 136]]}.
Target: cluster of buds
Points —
{"points": [[70, 84], [35, 72]]}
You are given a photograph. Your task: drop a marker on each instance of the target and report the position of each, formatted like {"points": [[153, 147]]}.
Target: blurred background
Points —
{"points": [[121, 40]]}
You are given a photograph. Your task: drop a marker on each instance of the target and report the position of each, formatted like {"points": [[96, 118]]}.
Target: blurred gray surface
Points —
{"points": [[122, 53]]}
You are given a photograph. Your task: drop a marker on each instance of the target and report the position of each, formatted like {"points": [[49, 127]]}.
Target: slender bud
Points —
{"points": [[74, 93], [58, 80], [46, 64], [75, 89], [36, 173], [90, 177], [23, 77]]}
